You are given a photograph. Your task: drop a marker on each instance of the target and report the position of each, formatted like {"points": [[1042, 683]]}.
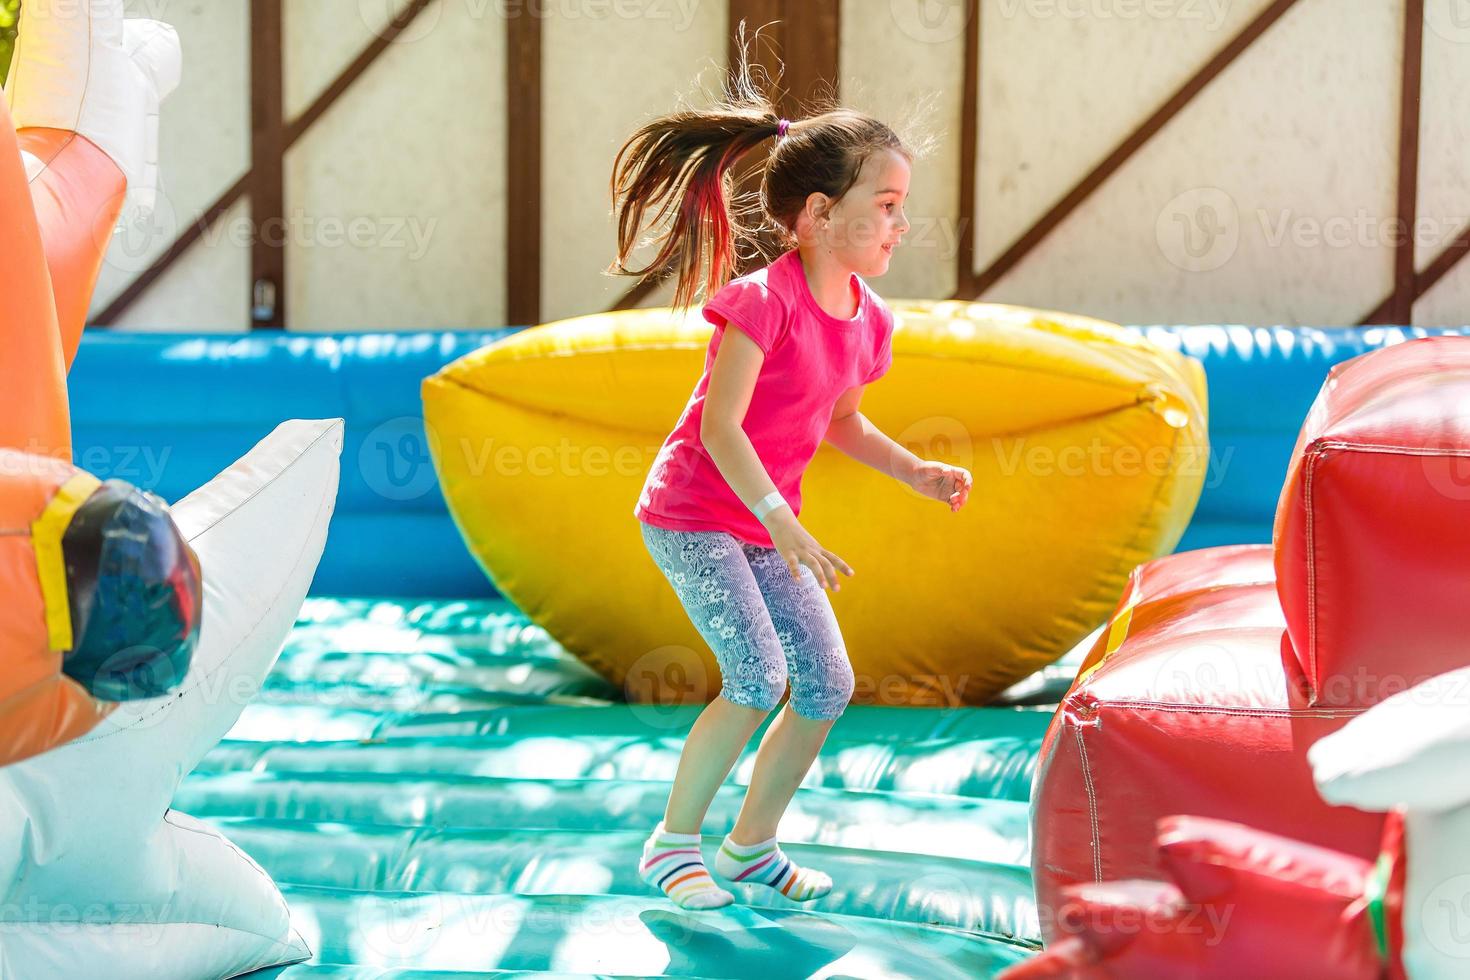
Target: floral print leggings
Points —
{"points": [[761, 624]]}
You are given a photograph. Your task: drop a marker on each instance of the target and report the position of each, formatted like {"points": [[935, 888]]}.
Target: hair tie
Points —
{"points": [[781, 128]]}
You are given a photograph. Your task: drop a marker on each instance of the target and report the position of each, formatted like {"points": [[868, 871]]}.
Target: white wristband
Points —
{"points": [[767, 504]]}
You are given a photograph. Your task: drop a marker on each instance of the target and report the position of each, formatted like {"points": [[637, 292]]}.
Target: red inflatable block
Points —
{"points": [[1192, 704], [1371, 536], [1157, 581], [1394, 853], [1239, 903]]}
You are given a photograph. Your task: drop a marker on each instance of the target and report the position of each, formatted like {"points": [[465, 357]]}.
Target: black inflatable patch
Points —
{"points": [[136, 594]]}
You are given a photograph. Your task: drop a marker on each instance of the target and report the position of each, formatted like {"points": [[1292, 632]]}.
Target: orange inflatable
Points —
{"points": [[99, 594]]}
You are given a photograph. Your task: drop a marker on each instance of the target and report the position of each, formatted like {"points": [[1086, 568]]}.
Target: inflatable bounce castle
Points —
{"points": [[1075, 750]]}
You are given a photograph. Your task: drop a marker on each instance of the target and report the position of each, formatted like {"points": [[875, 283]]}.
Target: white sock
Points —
{"points": [[673, 864], [766, 864]]}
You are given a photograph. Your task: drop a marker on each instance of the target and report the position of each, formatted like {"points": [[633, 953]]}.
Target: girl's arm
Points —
{"points": [[731, 384], [851, 432]]}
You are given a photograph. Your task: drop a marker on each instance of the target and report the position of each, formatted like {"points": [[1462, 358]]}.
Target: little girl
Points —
{"points": [[719, 507]]}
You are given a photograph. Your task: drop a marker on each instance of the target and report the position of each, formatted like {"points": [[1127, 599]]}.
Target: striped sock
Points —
{"points": [[766, 864], [673, 864]]}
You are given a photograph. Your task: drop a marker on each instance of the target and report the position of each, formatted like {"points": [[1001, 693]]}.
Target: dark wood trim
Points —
{"points": [[267, 165], [1442, 264], [773, 18], [365, 59], [636, 295], [1408, 209], [765, 15], [1124, 151], [1399, 308], [1424, 281], [812, 46], [173, 253], [523, 168], [294, 130], [969, 153], [807, 36]]}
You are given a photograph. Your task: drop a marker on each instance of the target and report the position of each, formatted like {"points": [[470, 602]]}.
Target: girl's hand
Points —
{"points": [[796, 545], [943, 482]]}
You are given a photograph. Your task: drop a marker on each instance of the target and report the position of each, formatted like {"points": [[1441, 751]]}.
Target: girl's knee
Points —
{"points": [[762, 693], [825, 696], [761, 698]]}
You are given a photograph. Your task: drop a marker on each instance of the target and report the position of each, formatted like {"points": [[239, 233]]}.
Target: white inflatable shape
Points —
{"points": [[100, 878], [79, 65], [1409, 750], [1413, 751]]}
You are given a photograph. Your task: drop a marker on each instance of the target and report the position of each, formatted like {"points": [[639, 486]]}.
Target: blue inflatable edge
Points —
{"points": [[167, 411]]}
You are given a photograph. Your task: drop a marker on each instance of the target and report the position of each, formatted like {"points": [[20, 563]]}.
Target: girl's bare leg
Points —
{"points": [[787, 751], [715, 741]]}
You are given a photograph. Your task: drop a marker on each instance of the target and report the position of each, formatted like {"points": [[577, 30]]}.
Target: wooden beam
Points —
{"points": [[129, 295], [807, 36], [811, 42], [523, 169], [293, 132], [773, 46], [969, 153], [1426, 280], [641, 291], [365, 59], [1124, 151], [267, 164], [765, 14], [1442, 264]]}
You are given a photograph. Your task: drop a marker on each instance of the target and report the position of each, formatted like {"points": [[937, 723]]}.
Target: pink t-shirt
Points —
{"points": [[811, 358]]}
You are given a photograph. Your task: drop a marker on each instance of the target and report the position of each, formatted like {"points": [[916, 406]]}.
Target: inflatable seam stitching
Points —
{"points": [[56, 155], [1097, 873], [1311, 577], [260, 489], [219, 836], [1317, 454], [1224, 709], [1362, 447]]}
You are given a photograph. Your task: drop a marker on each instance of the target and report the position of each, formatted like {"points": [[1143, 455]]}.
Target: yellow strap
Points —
{"points": [[46, 533], [1119, 630], [1117, 633]]}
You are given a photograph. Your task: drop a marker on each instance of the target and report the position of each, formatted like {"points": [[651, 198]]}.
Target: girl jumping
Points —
{"points": [[719, 508]]}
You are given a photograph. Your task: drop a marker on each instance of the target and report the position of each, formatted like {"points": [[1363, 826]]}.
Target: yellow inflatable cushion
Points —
{"points": [[1087, 444]]}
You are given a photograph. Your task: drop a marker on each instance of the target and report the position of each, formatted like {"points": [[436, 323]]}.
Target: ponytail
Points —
{"points": [[681, 163]]}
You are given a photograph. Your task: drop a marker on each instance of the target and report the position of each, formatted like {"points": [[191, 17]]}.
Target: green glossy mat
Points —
{"points": [[441, 791]]}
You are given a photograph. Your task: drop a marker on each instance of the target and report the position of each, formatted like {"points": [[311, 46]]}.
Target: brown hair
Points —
{"points": [[680, 162]]}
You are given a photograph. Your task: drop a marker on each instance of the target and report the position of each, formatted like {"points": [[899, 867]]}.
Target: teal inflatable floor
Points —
{"points": [[442, 791]]}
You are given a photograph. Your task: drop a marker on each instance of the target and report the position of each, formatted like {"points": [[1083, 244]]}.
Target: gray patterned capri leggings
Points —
{"points": [[760, 623]]}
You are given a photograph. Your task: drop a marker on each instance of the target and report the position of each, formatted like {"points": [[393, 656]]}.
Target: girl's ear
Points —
{"points": [[818, 206]]}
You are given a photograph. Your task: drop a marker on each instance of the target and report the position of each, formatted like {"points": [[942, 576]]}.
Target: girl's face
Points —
{"points": [[863, 229]]}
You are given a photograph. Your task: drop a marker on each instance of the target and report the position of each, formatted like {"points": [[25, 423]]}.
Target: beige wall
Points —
{"points": [[204, 147], [1293, 130], [629, 69], [895, 69], [1265, 201], [1444, 158], [395, 195]]}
